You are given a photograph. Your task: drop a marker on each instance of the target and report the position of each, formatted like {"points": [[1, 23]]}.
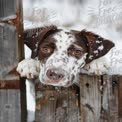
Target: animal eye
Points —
{"points": [[46, 49], [75, 53]]}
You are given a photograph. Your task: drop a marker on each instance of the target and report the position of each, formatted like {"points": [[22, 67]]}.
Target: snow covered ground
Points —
{"points": [[103, 17]]}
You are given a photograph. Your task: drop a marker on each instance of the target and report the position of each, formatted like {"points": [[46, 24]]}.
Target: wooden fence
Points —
{"points": [[12, 88], [94, 99]]}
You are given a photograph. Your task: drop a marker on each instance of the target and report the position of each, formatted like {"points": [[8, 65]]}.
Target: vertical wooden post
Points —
{"points": [[101, 98], [110, 111], [57, 104], [12, 88], [120, 99], [90, 98]]}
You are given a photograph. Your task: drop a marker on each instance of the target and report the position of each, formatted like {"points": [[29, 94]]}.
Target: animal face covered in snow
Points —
{"points": [[61, 54]]}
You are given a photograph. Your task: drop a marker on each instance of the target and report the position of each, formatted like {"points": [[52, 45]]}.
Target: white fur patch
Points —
{"points": [[100, 47]]}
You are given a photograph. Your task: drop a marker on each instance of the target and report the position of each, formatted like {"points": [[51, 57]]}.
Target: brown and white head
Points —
{"points": [[63, 53]]}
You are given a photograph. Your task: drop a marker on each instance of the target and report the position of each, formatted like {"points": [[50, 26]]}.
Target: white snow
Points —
{"points": [[9, 17]]}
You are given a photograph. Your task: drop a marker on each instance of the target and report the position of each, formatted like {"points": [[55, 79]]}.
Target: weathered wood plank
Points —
{"points": [[120, 99], [68, 104], [55, 104], [8, 9], [45, 108], [8, 51], [100, 101], [13, 100], [10, 106], [90, 98], [110, 111]]}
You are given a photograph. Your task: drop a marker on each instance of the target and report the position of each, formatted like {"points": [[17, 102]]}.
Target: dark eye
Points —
{"points": [[46, 49], [75, 53]]}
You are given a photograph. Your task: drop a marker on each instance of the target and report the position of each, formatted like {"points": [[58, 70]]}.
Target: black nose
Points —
{"points": [[55, 74]]}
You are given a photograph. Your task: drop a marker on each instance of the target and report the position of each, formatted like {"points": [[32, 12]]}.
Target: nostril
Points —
{"points": [[51, 74], [54, 75], [60, 76]]}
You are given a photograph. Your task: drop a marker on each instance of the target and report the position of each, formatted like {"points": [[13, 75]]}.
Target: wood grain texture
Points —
{"points": [[8, 9], [98, 99], [120, 99], [12, 88], [10, 106], [110, 99], [55, 104], [90, 98], [8, 50]]}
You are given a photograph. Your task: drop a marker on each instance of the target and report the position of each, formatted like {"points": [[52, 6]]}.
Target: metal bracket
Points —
{"points": [[9, 84]]}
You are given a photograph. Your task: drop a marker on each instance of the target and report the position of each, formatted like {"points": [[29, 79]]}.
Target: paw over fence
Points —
{"points": [[94, 99]]}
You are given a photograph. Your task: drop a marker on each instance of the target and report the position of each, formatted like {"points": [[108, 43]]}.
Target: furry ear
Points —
{"points": [[97, 46], [34, 37]]}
